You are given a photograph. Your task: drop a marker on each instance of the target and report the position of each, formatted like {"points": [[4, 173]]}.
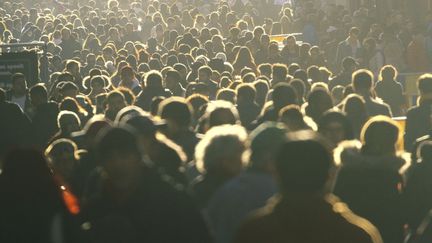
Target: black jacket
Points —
{"points": [[371, 186], [44, 123], [156, 212], [417, 124]]}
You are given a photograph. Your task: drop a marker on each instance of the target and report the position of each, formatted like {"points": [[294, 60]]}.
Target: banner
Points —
{"points": [[19, 62]]}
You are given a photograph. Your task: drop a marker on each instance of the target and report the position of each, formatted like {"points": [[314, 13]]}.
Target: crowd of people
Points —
{"points": [[189, 121]]}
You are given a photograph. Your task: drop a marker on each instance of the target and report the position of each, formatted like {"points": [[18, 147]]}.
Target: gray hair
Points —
{"points": [[220, 142]]}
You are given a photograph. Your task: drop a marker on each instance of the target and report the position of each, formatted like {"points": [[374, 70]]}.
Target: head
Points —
{"points": [[355, 107], [68, 122], [283, 95], [424, 85], [127, 75], [232, 139], [246, 94], [153, 79], [279, 72], [172, 78], [204, 73], [119, 153], [303, 165], [97, 84], [73, 67], [293, 118], [319, 101], [221, 112], [335, 127], [63, 157], [388, 73], [69, 89], [177, 113], [115, 102], [38, 95], [379, 136], [266, 140], [349, 65], [362, 82], [354, 33], [265, 69], [19, 84]]}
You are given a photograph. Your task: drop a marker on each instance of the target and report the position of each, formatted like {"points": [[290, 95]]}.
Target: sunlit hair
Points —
{"points": [[380, 135], [320, 85], [218, 106], [219, 143], [390, 70], [56, 147], [64, 115]]}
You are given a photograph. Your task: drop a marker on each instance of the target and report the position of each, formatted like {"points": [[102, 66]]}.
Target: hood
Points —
{"points": [[348, 154]]}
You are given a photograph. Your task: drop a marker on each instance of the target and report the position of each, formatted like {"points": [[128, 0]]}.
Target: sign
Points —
{"points": [[19, 62]]}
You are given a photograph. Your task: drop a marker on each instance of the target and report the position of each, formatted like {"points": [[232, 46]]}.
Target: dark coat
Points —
{"points": [[307, 220], [44, 123], [417, 124], [371, 186], [158, 211]]}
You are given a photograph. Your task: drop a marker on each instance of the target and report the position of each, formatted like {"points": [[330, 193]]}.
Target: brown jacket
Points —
{"points": [[307, 220]]}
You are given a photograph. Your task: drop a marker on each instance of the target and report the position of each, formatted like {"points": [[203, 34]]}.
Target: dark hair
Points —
{"points": [[226, 94], [379, 136], [40, 91], [116, 140], [17, 76], [319, 101], [206, 69], [246, 92], [339, 117], [177, 110], [348, 63], [362, 80], [279, 70], [303, 164], [265, 68], [299, 87], [424, 84], [283, 95], [128, 95], [153, 79]]}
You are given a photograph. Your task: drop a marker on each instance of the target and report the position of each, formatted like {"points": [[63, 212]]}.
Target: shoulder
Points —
{"points": [[354, 226], [255, 228], [413, 111]]}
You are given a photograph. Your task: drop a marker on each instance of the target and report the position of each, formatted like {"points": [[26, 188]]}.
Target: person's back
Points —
{"points": [[344, 77], [375, 107], [418, 194], [246, 106], [153, 88], [307, 220], [44, 123], [390, 90], [32, 206], [14, 124], [362, 82], [139, 197], [303, 212], [418, 117], [370, 179], [236, 199], [392, 94]]}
